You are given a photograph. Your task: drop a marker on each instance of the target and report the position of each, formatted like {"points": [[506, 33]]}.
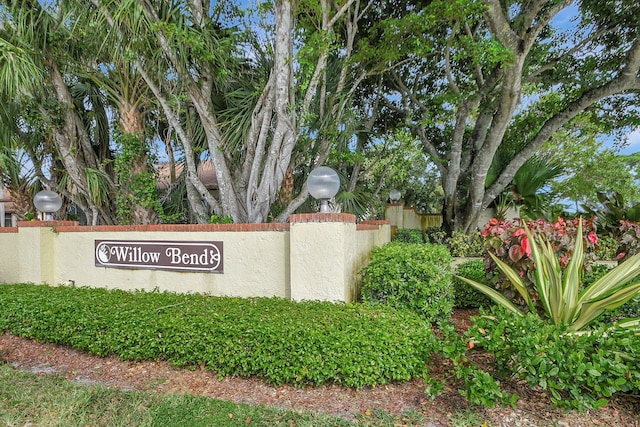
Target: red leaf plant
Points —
{"points": [[508, 241]]}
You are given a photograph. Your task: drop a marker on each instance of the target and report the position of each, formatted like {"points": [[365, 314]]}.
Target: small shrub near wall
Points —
{"points": [[435, 235], [410, 276], [465, 295], [464, 244], [408, 235]]}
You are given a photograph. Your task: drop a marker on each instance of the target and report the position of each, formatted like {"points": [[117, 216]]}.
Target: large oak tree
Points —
{"points": [[475, 77]]}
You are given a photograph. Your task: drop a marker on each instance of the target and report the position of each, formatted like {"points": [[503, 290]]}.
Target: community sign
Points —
{"points": [[160, 255]]}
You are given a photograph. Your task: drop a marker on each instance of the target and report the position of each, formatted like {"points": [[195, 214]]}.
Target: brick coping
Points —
{"points": [[73, 226]]}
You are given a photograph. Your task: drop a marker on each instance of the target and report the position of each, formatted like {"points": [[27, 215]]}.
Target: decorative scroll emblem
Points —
{"points": [[160, 255]]}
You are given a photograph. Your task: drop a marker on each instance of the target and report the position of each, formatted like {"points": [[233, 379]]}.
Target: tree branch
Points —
{"points": [[627, 80]]}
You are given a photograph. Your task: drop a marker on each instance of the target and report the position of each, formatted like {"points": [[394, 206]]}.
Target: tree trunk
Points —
{"points": [[76, 153]]}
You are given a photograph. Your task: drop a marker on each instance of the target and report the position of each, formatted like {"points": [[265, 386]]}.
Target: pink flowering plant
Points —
{"points": [[508, 242], [562, 298]]}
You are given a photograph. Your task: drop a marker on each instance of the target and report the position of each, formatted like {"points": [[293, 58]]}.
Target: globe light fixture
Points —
{"points": [[394, 196], [48, 202], [323, 183]]}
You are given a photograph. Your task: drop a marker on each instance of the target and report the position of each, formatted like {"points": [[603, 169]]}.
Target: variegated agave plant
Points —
{"points": [[560, 293]]}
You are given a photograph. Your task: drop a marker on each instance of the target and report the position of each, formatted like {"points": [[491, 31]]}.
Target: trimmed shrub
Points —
{"points": [[465, 295], [414, 277], [435, 235], [464, 244], [579, 370], [276, 339], [408, 235]]}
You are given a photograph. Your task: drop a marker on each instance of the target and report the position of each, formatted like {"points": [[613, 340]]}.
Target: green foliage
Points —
{"points": [[354, 202], [526, 190], [509, 242], [136, 185], [590, 167], [607, 248], [629, 235], [415, 277], [480, 387], [218, 219], [435, 236], [465, 295], [463, 244], [630, 309], [562, 298], [597, 271], [612, 211], [276, 339], [579, 370], [408, 235], [399, 162]]}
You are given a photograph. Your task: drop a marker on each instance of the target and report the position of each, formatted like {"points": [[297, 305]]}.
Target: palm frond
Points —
{"points": [[98, 186]]}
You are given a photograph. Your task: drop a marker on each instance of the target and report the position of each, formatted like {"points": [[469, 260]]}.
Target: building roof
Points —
{"points": [[7, 200], [206, 173]]}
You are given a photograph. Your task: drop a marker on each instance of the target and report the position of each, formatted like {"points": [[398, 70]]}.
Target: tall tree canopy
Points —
{"points": [[64, 133], [475, 78], [247, 99]]}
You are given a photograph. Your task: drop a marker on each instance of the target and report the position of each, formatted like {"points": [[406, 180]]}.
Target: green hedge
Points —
{"points": [[410, 276], [463, 244], [272, 338], [408, 235], [465, 295]]}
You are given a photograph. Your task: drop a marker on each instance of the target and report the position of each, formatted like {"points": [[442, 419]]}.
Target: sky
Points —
{"points": [[633, 143], [566, 19]]}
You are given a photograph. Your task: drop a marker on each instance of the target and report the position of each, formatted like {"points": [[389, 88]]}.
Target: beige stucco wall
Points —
{"points": [[253, 264], [394, 213], [317, 258], [410, 219], [9, 258], [402, 217], [366, 240], [36, 255], [328, 252]]}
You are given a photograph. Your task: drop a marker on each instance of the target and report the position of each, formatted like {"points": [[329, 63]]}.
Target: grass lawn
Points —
{"points": [[28, 399]]}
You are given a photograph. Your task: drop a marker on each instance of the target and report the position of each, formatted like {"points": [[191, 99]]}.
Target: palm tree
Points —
{"points": [[38, 43], [210, 78], [527, 187]]}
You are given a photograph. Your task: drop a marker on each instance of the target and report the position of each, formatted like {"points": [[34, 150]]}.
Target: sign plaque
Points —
{"points": [[160, 255]]}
